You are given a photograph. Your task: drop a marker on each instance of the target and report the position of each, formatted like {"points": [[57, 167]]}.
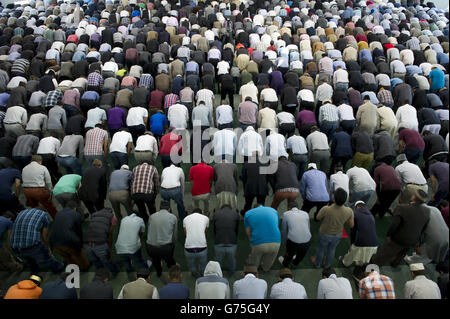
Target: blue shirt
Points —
{"points": [[27, 228], [4, 97], [263, 222], [5, 224], [437, 79], [192, 67], [90, 95], [341, 146], [314, 186], [7, 178], [157, 122], [58, 290], [174, 290]]}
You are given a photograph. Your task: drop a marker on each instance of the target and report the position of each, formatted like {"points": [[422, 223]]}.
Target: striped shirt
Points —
{"points": [[146, 80], [20, 66], [53, 98], [94, 141], [170, 100], [145, 179], [328, 113], [95, 79], [26, 231], [376, 286]]}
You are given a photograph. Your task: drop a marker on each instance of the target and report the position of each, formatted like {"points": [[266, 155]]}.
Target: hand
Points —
{"points": [[418, 250]]}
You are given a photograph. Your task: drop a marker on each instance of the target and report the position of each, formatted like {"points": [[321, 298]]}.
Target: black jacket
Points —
{"points": [[96, 289]]}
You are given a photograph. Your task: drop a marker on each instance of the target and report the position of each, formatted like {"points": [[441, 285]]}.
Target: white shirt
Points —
{"points": [[339, 180], [305, 95], [334, 288], [128, 240], [422, 288], [360, 179], [269, 95], [95, 116], [410, 173], [178, 116], [249, 89], [48, 145], [16, 115], [224, 114], [147, 142], [250, 142], [110, 66], [288, 289], [407, 117], [317, 141], [285, 118], [172, 177], [297, 144], [206, 96], [345, 112], [136, 116], [276, 146], [224, 142], [120, 141], [223, 67], [195, 225]]}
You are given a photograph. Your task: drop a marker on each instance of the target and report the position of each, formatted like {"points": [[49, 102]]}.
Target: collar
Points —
{"points": [[250, 276]]}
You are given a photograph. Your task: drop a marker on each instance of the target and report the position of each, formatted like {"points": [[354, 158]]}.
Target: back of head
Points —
{"points": [[97, 163], [175, 273], [327, 272], [103, 274], [340, 196]]}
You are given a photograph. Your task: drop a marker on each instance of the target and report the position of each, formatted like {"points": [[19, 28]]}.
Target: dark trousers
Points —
{"points": [[305, 129], [38, 257], [94, 206], [384, 201], [86, 105], [286, 128], [260, 199], [143, 200], [118, 159], [49, 161], [137, 256], [159, 253], [136, 131], [12, 204], [297, 250], [308, 205], [21, 161], [226, 125], [348, 126], [166, 161], [336, 161], [390, 254], [227, 91]]}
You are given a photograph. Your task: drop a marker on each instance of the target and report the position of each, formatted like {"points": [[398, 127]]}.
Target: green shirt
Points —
{"points": [[67, 184]]}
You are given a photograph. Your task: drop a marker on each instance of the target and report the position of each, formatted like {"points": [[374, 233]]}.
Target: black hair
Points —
{"points": [[340, 196], [442, 266], [143, 273], [284, 276], [327, 272], [197, 210], [103, 273]]}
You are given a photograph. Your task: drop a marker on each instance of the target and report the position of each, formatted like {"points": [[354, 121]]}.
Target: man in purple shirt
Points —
{"points": [[305, 120], [388, 188], [117, 118], [439, 181], [411, 143]]}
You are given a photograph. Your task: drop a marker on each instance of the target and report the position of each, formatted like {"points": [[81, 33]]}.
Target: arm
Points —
{"points": [[105, 145], [45, 236], [434, 183], [17, 184], [129, 146], [248, 231]]}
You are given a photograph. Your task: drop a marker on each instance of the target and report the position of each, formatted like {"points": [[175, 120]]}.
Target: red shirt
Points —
{"points": [[170, 144], [201, 175], [412, 139], [156, 99]]}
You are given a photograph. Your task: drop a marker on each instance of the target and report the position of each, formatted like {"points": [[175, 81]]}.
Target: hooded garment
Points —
{"points": [[212, 285], [25, 289]]}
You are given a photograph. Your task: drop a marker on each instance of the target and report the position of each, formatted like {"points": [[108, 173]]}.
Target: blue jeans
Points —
{"points": [[364, 196], [226, 252], [413, 155], [100, 256], [37, 257], [196, 262], [328, 244], [329, 128], [118, 159], [137, 257], [71, 164], [177, 196]]}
